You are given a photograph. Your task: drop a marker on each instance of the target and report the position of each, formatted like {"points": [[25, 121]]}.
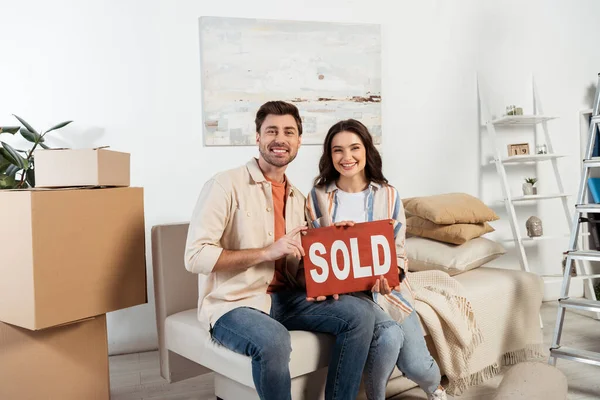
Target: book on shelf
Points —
{"points": [[594, 187]]}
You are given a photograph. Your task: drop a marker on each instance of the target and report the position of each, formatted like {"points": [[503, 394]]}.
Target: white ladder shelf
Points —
{"points": [[500, 160]]}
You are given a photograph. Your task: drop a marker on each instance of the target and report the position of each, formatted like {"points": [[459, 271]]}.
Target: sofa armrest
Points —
{"points": [[175, 290]]}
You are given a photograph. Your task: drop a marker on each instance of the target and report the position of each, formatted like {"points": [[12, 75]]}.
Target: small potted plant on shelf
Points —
{"points": [[528, 186], [16, 165]]}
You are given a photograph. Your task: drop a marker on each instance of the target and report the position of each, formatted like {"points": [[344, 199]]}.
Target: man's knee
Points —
{"points": [[275, 347], [253, 333], [360, 314]]}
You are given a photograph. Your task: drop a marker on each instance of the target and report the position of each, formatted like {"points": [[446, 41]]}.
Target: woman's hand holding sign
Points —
{"points": [[381, 286], [344, 223]]}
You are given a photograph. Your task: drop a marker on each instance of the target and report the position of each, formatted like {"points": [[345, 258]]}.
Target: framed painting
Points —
{"points": [[330, 71]]}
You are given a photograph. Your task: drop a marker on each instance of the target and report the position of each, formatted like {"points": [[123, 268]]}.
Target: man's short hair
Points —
{"points": [[277, 108]]}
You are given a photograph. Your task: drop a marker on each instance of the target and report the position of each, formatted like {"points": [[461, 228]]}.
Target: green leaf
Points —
{"points": [[4, 163], [30, 177], [58, 126], [44, 146], [31, 136], [12, 170], [25, 124], [13, 156], [7, 182], [9, 129], [7, 156]]}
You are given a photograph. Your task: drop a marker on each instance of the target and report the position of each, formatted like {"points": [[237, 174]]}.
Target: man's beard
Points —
{"points": [[270, 159]]}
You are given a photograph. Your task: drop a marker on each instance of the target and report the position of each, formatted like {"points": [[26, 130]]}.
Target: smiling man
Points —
{"points": [[244, 237]]}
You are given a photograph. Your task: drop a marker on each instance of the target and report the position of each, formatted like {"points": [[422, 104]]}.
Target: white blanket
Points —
{"points": [[479, 321]]}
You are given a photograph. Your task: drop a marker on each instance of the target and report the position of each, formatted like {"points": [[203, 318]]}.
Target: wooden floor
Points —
{"points": [[137, 376]]}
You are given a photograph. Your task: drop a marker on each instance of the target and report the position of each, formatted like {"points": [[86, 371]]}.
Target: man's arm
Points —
{"points": [[242, 259], [210, 217], [204, 253]]}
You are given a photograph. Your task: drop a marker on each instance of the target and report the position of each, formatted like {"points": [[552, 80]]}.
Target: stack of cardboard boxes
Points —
{"points": [[71, 250]]}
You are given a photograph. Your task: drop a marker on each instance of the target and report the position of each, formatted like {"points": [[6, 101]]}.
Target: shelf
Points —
{"points": [[521, 119], [529, 158], [534, 197], [542, 238], [527, 239]]}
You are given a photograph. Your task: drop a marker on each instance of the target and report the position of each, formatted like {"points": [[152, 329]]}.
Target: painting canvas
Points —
{"points": [[330, 71]]}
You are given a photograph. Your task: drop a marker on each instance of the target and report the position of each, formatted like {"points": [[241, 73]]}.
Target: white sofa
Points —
{"points": [[186, 349]]}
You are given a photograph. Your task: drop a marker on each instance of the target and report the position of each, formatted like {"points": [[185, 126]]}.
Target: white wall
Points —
{"points": [[127, 73]]}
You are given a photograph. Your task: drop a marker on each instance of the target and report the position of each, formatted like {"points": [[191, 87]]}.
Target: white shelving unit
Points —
{"points": [[495, 127]]}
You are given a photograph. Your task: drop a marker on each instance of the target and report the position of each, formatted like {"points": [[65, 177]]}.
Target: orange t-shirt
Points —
{"points": [[279, 197]]}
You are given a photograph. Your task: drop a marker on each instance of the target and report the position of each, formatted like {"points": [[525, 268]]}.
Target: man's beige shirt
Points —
{"points": [[235, 212]]}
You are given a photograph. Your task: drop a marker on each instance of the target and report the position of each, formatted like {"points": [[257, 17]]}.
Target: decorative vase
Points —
{"points": [[527, 189]]}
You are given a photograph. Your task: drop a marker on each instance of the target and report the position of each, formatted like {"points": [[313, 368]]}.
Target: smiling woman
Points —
{"points": [[349, 150], [351, 188]]}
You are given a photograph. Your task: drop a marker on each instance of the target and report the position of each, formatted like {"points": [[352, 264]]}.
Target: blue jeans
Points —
{"points": [[411, 357], [266, 339]]}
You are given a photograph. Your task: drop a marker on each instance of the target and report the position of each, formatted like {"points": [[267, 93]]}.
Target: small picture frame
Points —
{"points": [[519, 149]]}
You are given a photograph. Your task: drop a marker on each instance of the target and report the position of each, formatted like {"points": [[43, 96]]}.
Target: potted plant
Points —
{"points": [[528, 188], [16, 165]]}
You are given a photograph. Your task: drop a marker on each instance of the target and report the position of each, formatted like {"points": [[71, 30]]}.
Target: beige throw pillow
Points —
{"points": [[450, 208], [426, 254], [456, 233]]}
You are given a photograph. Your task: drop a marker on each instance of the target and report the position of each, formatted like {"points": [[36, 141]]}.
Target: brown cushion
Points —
{"points": [[426, 254], [450, 208], [456, 233]]}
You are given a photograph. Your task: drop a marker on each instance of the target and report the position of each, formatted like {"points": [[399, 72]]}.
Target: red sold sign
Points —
{"points": [[349, 259]]}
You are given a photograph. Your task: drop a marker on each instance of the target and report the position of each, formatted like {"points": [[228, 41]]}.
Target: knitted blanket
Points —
{"points": [[479, 321]]}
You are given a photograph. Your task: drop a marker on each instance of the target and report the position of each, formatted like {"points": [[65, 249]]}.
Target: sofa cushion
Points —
{"points": [[455, 233], [185, 335], [450, 208], [426, 254]]}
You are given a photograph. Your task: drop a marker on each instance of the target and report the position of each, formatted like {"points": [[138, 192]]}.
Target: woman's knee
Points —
{"points": [[388, 337]]}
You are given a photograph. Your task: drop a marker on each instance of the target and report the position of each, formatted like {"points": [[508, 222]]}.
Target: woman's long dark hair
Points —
{"points": [[373, 165]]}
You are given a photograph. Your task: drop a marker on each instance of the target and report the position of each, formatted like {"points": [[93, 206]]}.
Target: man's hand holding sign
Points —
{"points": [[349, 258]]}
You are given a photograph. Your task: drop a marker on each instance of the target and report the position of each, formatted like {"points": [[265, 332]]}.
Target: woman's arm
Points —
{"points": [[399, 218]]}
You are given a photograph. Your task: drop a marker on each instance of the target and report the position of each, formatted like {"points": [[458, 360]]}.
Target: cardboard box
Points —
{"points": [[69, 362], [84, 167], [70, 254]]}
